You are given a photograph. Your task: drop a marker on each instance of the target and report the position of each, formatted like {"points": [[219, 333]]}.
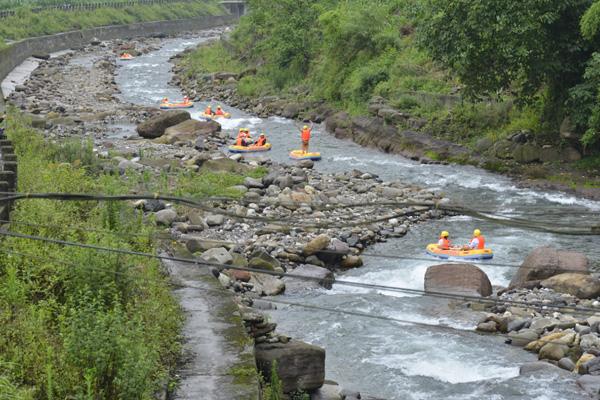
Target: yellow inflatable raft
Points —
{"points": [[225, 115], [249, 149], [169, 106], [300, 155], [458, 253]]}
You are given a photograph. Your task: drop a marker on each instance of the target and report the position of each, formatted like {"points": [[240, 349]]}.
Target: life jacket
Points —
{"points": [[305, 135], [261, 141], [239, 141], [444, 243], [481, 242], [219, 112], [208, 111]]}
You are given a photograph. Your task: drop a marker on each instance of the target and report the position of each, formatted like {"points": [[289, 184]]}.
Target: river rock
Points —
{"points": [[165, 217], [553, 351], [589, 342], [156, 126], [306, 164], [218, 255], [590, 384], [488, 326], [536, 367], [523, 337], [267, 285], [189, 130], [317, 277], [585, 357], [214, 219], [260, 259], [319, 243], [466, 279], [300, 366], [195, 244], [566, 363], [545, 262], [517, 324], [224, 280], [591, 367], [351, 262], [224, 164], [253, 183], [238, 275], [579, 285]]}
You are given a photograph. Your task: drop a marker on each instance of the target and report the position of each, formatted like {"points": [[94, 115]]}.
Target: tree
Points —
{"points": [[521, 46]]}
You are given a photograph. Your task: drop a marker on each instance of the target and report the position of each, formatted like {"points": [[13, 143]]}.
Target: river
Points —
{"points": [[391, 359]]}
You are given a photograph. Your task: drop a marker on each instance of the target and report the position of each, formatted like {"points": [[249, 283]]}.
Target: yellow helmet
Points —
{"points": [[305, 127], [476, 232], [218, 107], [444, 234]]}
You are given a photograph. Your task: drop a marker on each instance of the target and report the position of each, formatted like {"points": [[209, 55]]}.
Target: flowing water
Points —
{"points": [[392, 359]]}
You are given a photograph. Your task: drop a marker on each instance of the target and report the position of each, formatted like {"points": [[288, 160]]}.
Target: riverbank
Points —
{"points": [[213, 73]]}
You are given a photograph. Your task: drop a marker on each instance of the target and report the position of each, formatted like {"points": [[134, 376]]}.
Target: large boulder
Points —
{"points": [[218, 255], [267, 285], [189, 130], [315, 277], [579, 285], [545, 262], [156, 126], [457, 279], [300, 366]]}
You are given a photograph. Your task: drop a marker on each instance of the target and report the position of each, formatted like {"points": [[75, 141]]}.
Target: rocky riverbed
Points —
{"points": [[294, 218]]}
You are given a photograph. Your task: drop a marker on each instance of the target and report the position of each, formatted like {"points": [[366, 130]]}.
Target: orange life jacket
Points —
{"points": [[481, 244], [445, 244], [219, 112], [305, 135], [239, 141], [261, 141], [208, 111]]}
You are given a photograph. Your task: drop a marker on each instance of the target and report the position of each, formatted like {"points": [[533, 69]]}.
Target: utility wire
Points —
{"points": [[568, 309], [340, 311]]}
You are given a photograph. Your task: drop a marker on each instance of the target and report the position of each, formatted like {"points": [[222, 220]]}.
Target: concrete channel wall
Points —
{"points": [[17, 52]]}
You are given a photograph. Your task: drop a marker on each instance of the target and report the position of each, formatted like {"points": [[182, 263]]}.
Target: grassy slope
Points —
{"points": [[78, 323], [28, 24]]}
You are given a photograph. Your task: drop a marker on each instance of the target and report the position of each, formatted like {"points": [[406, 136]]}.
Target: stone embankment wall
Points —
{"points": [[8, 173], [16, 53]]}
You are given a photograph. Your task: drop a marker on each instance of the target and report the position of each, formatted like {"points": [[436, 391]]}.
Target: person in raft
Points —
{"points": [[164, 101], [186, 100], [444, 242], [261, 141], [219, 111], [208, 110], [478, 241], [305, 136]]}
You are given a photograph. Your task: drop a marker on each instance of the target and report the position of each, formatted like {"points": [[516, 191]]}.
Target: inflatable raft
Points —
{"points": [[169, 106], [249, 149], [226, 115], [126, 56], [476, 254], [300, 155]]}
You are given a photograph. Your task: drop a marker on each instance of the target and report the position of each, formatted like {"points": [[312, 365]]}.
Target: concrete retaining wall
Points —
{"points": [[15, 54]]}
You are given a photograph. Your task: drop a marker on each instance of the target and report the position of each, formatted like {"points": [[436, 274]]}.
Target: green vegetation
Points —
{"points": [[27, 24], [77, 323]]}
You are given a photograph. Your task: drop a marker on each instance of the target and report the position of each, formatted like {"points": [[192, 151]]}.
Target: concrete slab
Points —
{"points": [[218, 355]]}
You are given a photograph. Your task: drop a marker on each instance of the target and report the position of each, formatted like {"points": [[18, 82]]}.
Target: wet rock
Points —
{"points": [[218, 255], [523, 337], [457, 279], [300, 366], [267, 285], [319, 243], [165, 217], [538, 367], [156, 126], [590, 384], [351, 262], [489, 326], [316, 277], [566, 364], [545, 262], [579, 285]]}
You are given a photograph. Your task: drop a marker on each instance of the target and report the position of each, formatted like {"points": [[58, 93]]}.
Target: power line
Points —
{"points": [[563, 229], [569, 309], [287, 303]]}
